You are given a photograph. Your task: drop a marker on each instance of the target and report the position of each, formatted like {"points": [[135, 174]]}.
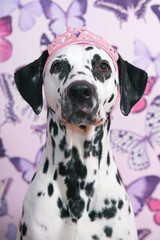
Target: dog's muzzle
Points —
{"points": [[80, 104]]}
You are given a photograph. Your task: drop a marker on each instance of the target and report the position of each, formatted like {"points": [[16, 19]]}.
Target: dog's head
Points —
{"points": [[81, 83]]}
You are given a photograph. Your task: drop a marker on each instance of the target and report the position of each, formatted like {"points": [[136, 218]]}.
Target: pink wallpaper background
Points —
{"points": [[133, 28]]}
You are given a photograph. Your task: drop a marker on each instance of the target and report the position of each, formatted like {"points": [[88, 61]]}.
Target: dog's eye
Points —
{"points": [[104, 67], [58, 67]]}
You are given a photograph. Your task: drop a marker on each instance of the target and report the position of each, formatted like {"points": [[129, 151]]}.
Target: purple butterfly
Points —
{"points": [[28, 12], [4, 187], [26, 167], [11, 232], [145, 57], [121, 7], [143, 233], [135, 144], [59, 19], [156, 10], [140, 190]]}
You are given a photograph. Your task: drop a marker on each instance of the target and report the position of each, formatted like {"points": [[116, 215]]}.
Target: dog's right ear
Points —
{"points": [[29, 81]]}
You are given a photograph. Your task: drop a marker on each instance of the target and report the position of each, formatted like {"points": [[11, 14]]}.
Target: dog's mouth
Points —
{"points": [[81, 118]]}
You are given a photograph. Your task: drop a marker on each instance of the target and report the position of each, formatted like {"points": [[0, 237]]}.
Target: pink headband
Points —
{"points": [[80, 35]]}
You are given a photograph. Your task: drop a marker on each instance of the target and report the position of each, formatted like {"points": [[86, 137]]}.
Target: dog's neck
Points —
{"points": [[89, 142], [80, 158]]}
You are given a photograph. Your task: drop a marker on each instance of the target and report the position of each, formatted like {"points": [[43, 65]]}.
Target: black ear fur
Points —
{"points": [[132, 85], [29, 82]]}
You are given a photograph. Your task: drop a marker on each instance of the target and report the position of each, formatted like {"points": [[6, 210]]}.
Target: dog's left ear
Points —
{"points": [[29, 82], [132, 82]]}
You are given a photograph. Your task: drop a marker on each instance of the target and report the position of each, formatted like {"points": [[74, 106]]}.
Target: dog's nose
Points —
{"points": [[80, 91]]}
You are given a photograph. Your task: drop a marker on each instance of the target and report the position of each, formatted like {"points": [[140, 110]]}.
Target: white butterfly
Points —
{"points": [[135, 144]]}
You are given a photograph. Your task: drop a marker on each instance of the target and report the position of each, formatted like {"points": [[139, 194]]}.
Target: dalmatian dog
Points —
{"points": [[77, 192]]}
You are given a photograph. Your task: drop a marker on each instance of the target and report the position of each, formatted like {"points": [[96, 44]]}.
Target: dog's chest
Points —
{"points": [[80, 206]]}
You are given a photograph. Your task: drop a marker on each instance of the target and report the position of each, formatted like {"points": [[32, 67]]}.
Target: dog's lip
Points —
{"points": [[90, 120]]}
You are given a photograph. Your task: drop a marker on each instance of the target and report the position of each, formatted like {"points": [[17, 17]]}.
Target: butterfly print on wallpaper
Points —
{"points": [[121, 7], [156, 10], [4, 187], [5, 45], [29, 12], [145, 58], [59, 19], [134, 144], [44, 42], [143, 233], [11, 232], [154, 206], [140, 190], [15, 108], [26, 167]]}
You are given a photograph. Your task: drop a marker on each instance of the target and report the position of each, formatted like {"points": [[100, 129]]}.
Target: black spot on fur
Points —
{"points": [[39, 194], [66, 68], [106, 212], [54, 146], [88, 204], [120, 204], [50, 111], [53, 127], [89, 48], [62, 169], [50, 189], [74, 172], [104, 102], [97, 73], [83, 73], [111, 98], [55, 175], [86, 66], [64, 213], [129, 209], [24, 229], [118, 177], [106, 201], [67, 153], [87, 148], [97, 143], [89, 189], [108, 231], [95, 237], [62, 144], [46, 165], [108, 122], [73, 75], [93, 215], [113, 201], [95, 172], [108, 159], [77, 207], [33, 177]]}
